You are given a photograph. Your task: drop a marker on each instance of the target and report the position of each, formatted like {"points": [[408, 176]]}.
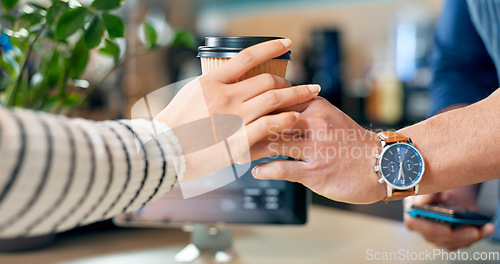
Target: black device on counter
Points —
{"points": [[452, 216], [246, 200]]}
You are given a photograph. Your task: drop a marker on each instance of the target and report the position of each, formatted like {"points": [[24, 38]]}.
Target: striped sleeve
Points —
{"points": [[59, 173]]}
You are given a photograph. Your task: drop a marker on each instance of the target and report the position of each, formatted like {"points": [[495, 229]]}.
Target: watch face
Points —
{"points": [[401, 165]]}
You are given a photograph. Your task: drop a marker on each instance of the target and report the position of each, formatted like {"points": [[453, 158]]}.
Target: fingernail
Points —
{"points": [[254, 171], [488, 230], [297, 115], [286, 43], [314, 88]]}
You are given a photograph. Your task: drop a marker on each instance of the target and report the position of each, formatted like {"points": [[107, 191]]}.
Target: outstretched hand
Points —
{"points": [[334, 155], [219, 93], [442, 235]]}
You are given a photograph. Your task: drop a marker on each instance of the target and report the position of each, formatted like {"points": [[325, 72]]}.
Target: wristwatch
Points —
{"points": [[400, 165]]}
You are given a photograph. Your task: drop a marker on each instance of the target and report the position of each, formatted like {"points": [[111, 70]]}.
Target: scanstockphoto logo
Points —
{"points": [[210, 143], [408, 255]]}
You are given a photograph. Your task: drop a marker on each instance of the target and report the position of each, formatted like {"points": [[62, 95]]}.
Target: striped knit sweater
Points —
{"points": [[58, 173]]}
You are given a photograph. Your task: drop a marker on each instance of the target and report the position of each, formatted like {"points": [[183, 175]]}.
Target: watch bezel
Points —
{"points": [[416, 182]]}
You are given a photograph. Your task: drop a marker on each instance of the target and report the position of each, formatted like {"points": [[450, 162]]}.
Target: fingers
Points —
{"points": [[278, 144], [459, 238], [487, 230], [425, 199], [262, 128], [288, 170], [233, 69], [271, 100], [295, 108], [303, 106], [419, 200], [270, 125], [433, 232], [444, 236], [261, 83], [439, 234], [466, 236]]}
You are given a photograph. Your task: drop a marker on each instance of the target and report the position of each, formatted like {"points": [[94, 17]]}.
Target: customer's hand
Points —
{"points": [[442, 235], [334, 155], [219, 93]]}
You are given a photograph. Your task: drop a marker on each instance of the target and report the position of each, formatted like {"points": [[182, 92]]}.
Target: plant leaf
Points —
{"points": [[55, 69], [9, 65], [94, 34], [70, 22], [37, 6], [4, 82], [55, 11], [73, 99], [8, 18], [31, 21], [111, 49], [9, 4], [150, 34], [106, 4], [79, 59], [114, 26], [51, 104], [183, 39]]}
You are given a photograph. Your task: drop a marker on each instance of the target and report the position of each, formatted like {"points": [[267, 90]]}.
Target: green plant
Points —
{"points": [[51, 47]]}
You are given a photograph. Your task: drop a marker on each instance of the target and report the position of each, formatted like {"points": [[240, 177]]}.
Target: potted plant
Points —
{"points": [[46, 50]]}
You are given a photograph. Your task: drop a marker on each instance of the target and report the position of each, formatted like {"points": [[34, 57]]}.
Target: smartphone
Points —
{"points": [[452, 216]]}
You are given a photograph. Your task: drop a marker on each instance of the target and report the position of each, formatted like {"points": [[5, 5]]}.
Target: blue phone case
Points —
{"points": [[453, 217]]}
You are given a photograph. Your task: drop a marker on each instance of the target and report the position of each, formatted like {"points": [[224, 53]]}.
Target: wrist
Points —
{"points": [[378, 189]]}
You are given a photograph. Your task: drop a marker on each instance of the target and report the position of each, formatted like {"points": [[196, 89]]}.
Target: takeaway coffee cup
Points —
{"points": [[218, 50]]}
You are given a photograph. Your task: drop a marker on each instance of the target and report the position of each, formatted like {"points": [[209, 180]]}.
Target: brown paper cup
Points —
{"points": [[275, 67], [218, 50]]}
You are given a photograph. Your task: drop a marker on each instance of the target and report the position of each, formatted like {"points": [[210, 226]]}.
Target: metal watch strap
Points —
{"points": [[390, 137]]}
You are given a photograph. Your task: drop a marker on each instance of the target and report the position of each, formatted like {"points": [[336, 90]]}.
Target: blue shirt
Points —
{"points": [[466, 57], [464, 72]]}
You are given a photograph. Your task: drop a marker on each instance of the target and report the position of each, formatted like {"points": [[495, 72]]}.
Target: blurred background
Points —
{"points": [[370, 56]]}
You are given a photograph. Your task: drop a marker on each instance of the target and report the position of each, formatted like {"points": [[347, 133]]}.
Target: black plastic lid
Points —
{"points": [[228, 47]]}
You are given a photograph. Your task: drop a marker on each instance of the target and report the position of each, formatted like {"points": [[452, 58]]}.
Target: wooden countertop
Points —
{"points": [[332, 235]]}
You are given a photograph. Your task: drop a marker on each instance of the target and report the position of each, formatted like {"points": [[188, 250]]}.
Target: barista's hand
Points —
{"points": [[334, 155], [218, 92], [442, 235]]}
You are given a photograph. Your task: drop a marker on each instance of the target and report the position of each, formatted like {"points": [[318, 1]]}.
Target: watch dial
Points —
{"points": [[401, 164]]}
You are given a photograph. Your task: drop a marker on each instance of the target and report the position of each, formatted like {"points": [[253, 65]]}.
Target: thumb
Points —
{"points": [[288, 170], [419, 200], [487, 230], [424, 199]]}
